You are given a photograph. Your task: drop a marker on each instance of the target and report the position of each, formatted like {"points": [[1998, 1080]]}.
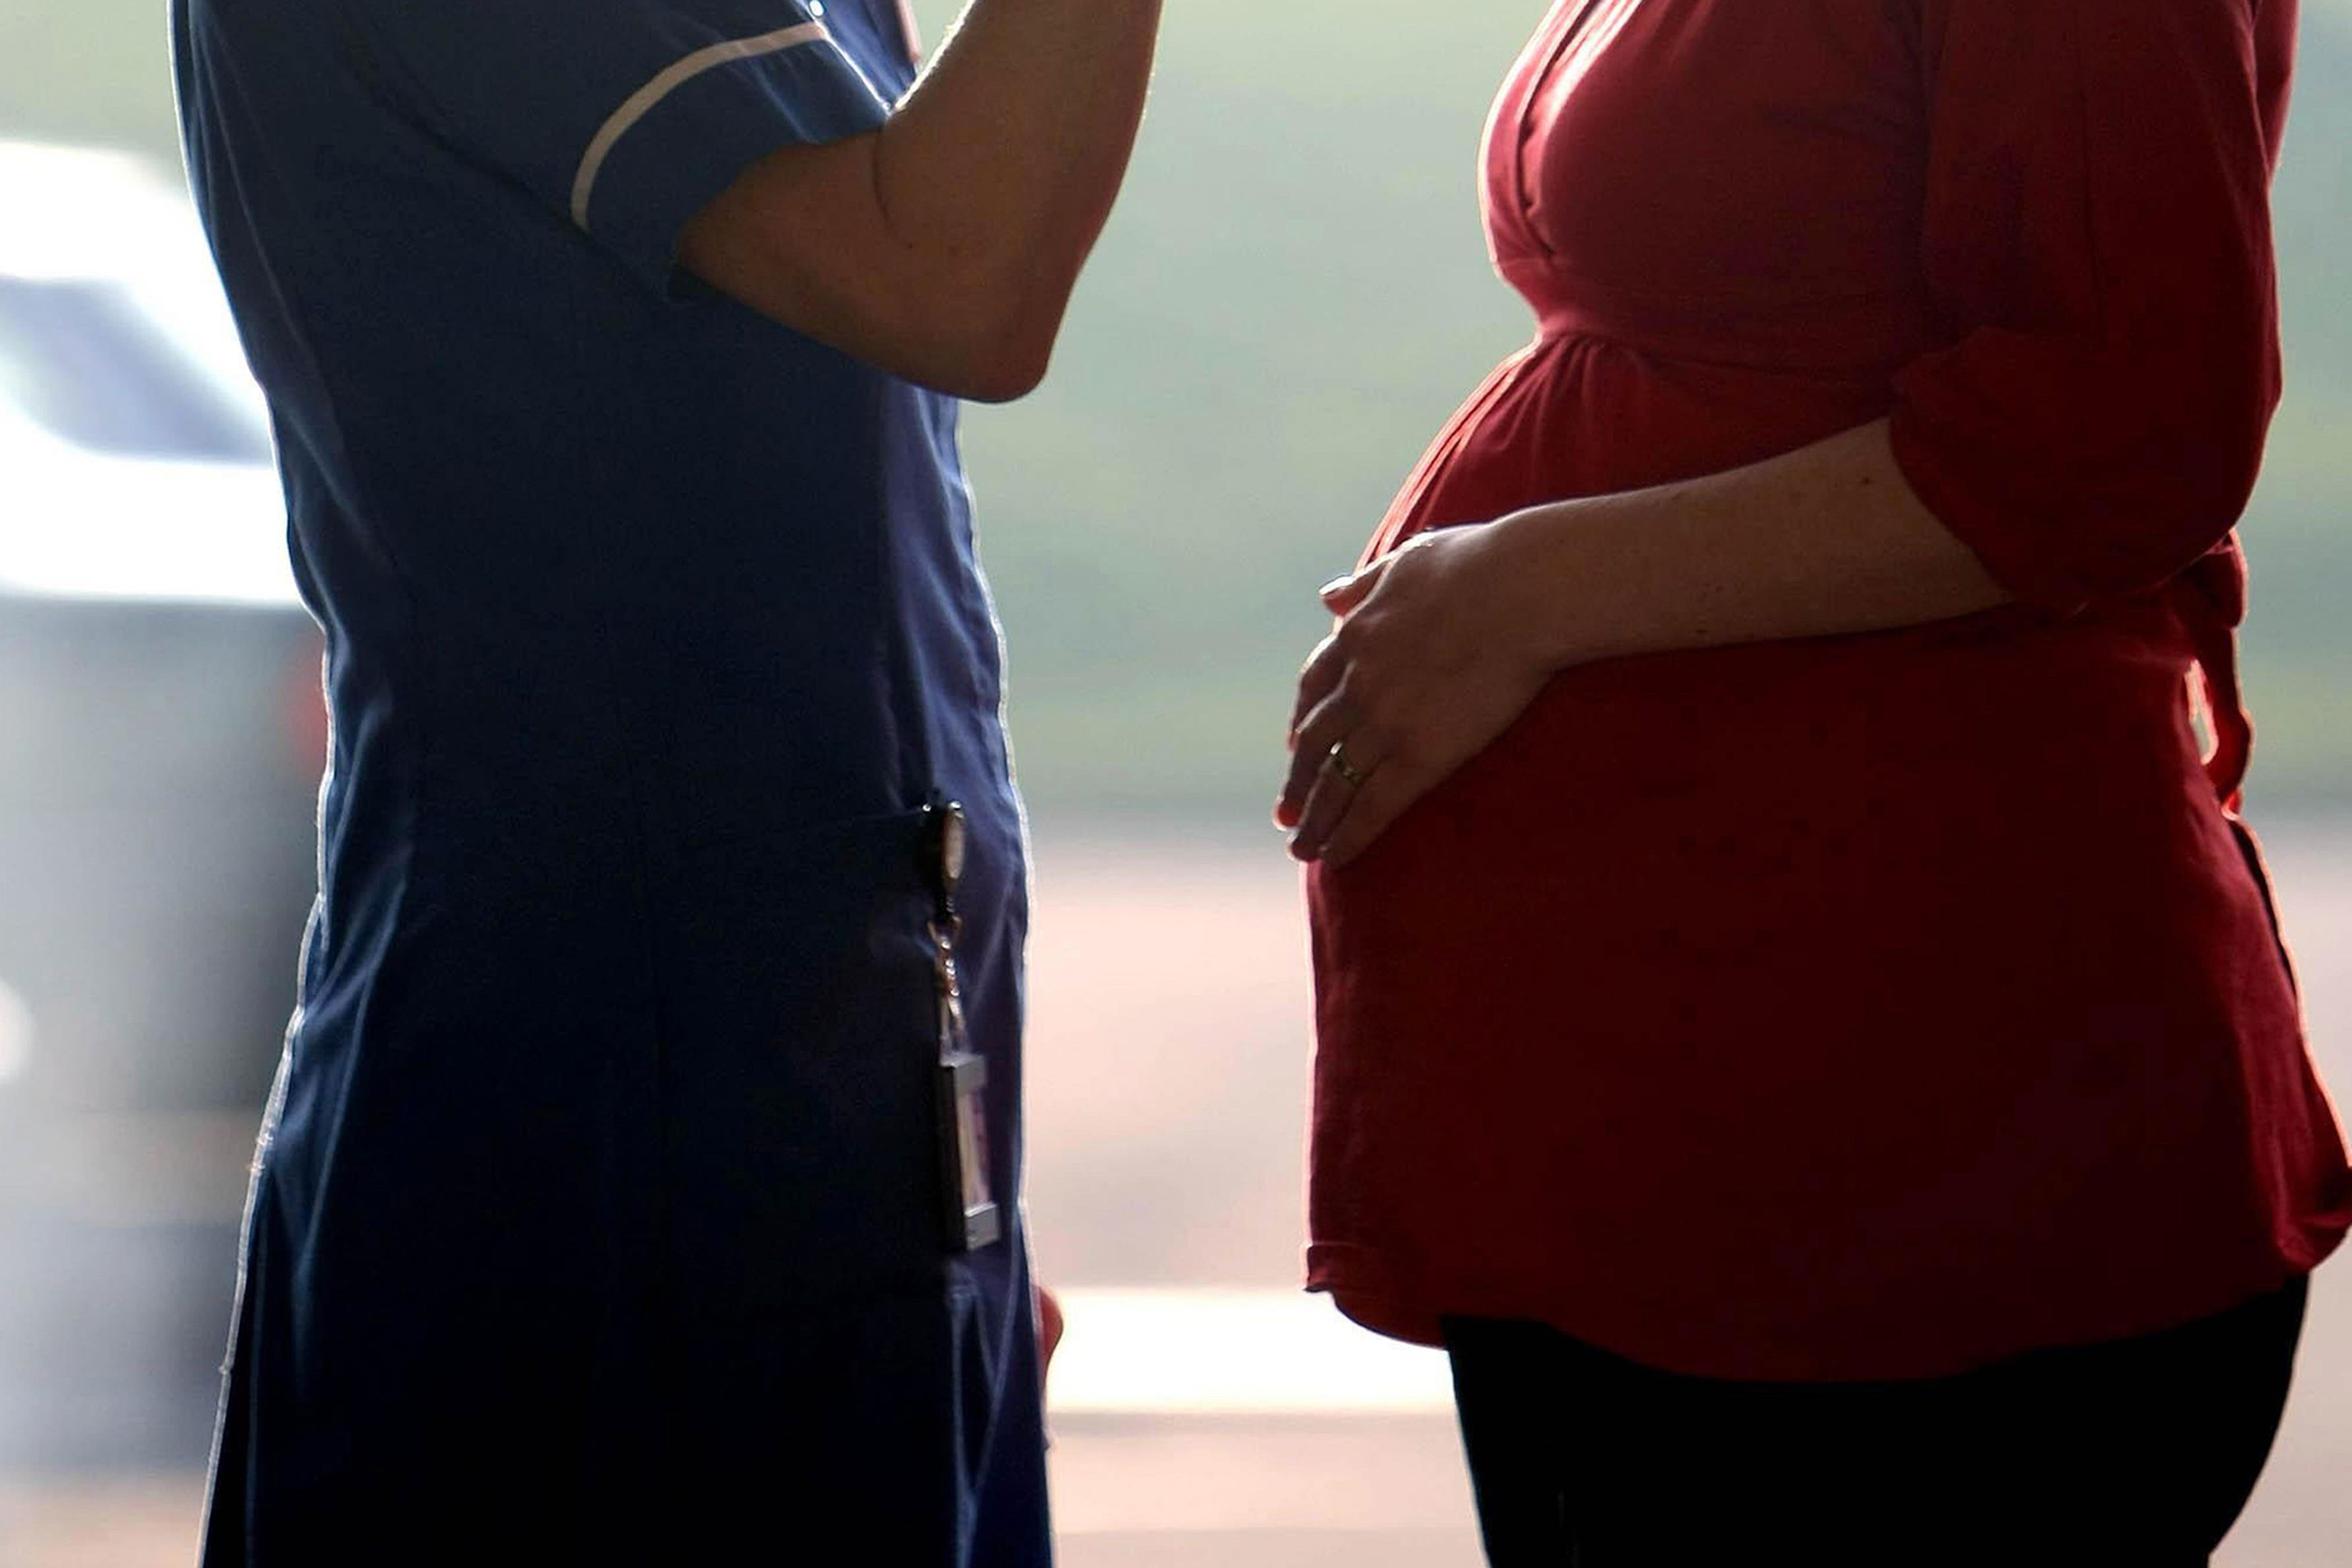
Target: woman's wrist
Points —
{"points": [[1542, 572]]}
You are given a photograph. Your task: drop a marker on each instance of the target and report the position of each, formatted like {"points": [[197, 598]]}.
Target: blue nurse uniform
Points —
{"points": [[597, 1217]]}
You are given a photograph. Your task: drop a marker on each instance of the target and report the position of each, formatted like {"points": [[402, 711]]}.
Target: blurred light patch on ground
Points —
{"points": [[1234, 1352]]}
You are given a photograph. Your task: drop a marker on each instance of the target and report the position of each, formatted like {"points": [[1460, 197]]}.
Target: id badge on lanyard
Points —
{"points": [[968, 1207]]}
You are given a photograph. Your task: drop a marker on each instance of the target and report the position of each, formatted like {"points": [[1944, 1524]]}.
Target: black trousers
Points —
{"points": [[2137, 1454]]}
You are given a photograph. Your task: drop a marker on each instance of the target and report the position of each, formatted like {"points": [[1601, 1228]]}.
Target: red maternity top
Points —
{"points": [[1873, 1006]]}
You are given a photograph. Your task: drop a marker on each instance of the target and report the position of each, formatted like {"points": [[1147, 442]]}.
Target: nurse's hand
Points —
{"points": [[1425, 669], [1049, 1331]]}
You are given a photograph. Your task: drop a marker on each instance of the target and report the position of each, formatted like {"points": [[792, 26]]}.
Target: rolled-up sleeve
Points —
{"points": [[2097, 240], [623, 116]]}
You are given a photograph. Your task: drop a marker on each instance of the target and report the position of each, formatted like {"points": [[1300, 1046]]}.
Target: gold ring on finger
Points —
{"points": [[1349, 774]]}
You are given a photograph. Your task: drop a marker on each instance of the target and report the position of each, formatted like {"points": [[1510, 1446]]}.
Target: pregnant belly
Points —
{"points": [[1578, 415]]}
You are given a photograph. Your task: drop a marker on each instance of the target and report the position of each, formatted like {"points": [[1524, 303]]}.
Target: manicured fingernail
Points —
{"points": [[1334, 586]]}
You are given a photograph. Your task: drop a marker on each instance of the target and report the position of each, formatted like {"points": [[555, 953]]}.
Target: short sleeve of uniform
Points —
{"points": [[625, 117]]}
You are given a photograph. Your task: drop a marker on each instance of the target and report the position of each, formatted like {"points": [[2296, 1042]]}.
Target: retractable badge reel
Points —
{"points": [[973, 1221]]}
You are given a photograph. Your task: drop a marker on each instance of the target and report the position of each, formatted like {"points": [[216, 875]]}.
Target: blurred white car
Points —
{"points": [[161, 734]]}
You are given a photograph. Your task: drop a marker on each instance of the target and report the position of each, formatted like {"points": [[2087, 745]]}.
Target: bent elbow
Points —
{"points": [[997, 351], [2221, 426], [1005, 369], [2207, 460], [987, 333], [977, 371], [2176, 474], [2143, 533]]}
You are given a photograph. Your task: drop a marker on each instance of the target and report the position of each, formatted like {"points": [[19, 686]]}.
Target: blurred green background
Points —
{"points": [[1293, 296]]}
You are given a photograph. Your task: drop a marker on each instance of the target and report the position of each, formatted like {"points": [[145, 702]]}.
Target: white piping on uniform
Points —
{"points": [[641, 102]]}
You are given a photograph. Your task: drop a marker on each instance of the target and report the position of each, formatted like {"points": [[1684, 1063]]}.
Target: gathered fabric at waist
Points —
{"points": [[1579, 413], [1862, 336]]}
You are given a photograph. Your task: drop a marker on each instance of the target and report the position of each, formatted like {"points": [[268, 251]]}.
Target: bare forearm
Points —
{"points": [[1001, 165], [943, 246], [1824, 540]]}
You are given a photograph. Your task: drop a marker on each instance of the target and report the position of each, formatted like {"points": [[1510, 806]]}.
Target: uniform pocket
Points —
{"points": [[798, 1152]]}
